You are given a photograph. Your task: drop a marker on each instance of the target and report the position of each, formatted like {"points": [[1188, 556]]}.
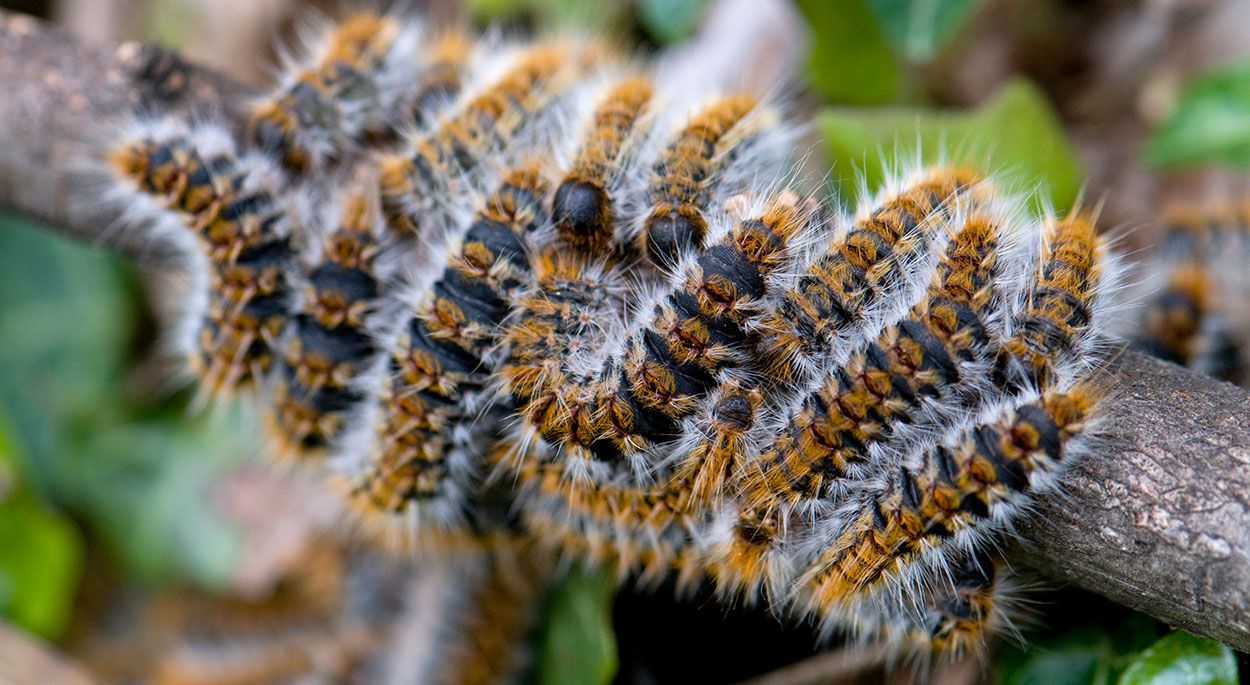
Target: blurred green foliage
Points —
{"points": [[577, 646], [1125, 653], [40, 552], [133, 469], [919, 29], [1210, 125], [1092, 652], [1016, 134], [1182, 659], [851, 59], [668, 21]]}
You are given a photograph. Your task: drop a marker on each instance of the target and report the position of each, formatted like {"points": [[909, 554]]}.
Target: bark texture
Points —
{"points": [[1158, 519], [57, 95]]}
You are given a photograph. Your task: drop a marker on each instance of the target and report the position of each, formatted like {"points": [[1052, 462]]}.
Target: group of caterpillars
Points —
{"points": [[532, 291], [337, 613]]}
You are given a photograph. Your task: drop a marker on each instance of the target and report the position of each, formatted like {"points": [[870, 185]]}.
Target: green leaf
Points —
{"points": [[1083, 656], [1183, 659], [1211, 123], [40, 561], [580, 15], [851, 59], [486, 11], [66, 322], [577, 645], [142, 486], [41, 555], [669, 21], [919, 29], [1016, 135]]}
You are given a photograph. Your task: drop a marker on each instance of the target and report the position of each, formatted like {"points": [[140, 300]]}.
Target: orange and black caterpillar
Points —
{"points": [[437, 365], [242, 236], [935, 499], [1191, 318], [583, 207], [345, 91], [681, 190], [331, 344], [910, 381], [417, 184], [612, 419], [849, 285], [609, 323]]}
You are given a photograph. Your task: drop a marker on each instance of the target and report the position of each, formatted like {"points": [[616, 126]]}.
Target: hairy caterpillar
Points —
{"points": [[1191, 318], [570, 304], [331, 346], [357, 74], [243, 239]]}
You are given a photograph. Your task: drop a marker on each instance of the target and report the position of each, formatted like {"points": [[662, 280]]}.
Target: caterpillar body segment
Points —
{"points": [[913, 381], [562, 320], [447, 63], [844, 292], [961, 619], [1173, 321], [242, 233], [652, 531], [420, 457], [444, 166], [346, 89], [695, 169], [318, 387], [237, 340], [197, 174], [1055, 327], [1191, 318], [466, 616], [487, 643], [907, 378], [588, 205], [961, 486], [609, 421], [955, 611]]}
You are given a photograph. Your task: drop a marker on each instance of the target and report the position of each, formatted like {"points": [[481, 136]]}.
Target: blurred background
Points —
{"points": [[130, 528]]}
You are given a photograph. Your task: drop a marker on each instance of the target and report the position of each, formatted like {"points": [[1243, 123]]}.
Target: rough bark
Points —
{"points": [[57, 95], [1158, 519]]}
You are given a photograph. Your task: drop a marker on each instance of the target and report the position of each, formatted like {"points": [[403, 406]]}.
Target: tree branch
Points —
{"points": [[1158, 520], [57, 94]]}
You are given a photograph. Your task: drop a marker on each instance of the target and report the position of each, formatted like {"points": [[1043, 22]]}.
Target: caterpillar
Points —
{"points": [[527, 300], [356, 75], [242, 236], [1190, 319], [421, 184], [447, 65], [929, 503], [317, 387], [415, 463]]}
